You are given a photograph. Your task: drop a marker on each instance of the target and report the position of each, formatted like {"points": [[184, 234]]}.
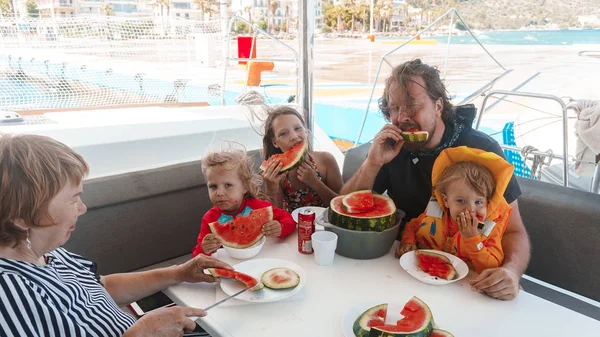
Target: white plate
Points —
{"points": [[350, 316], [256, 268], [318, 211], [409, 263]]}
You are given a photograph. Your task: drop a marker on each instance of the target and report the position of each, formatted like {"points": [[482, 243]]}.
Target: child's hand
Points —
{"points": [[467, 224], [271, 174], [405, 249], [210, 243], [307, 174], [272, 228]]}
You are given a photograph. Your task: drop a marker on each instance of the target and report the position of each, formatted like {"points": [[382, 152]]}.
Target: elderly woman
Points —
{"points": [[46, 290]]}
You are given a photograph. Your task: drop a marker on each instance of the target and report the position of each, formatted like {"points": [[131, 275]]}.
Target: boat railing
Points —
{"points": [[257, 30], [452, 13], [564, 108]]}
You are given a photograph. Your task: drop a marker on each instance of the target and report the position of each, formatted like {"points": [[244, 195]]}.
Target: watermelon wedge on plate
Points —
{"points": [[290, 158], [243, 231], [411, 264], [248, 280], [416, 321]]}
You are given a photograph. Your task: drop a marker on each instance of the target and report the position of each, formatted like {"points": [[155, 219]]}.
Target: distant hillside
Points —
{"points": [[514, 14]]}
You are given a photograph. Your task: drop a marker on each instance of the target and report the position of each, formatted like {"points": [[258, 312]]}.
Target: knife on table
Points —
{"points": [[225, 299]]}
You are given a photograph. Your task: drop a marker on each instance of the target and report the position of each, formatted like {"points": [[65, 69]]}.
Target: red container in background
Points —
{"points": [[245, 45], [306, 228]]}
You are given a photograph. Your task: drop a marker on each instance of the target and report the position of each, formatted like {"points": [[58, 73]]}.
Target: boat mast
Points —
{"points": [[306, 41]]}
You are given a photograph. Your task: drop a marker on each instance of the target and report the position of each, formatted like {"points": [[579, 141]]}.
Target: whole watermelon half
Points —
{"points": [[243, 231], [380, 218]]}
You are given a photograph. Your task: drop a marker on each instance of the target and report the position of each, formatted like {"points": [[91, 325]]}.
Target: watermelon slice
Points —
{"points": [[243, 231], [248, 280], [417, 322], [290, 158], [374, 316], [380, 218], [440, 333], [414, 135], [358, 202], [436, 265], [280, 278]]}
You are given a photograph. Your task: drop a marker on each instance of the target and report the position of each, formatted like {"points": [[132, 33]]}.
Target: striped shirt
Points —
{"points": [[63, 298]]}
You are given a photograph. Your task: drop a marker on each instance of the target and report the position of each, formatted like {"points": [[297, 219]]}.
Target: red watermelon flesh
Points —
{"points": [[290, 158], [436, 265], [417, 320], [358, 202], [243, 231], [381, 206], [440, 333], [248, 280]]}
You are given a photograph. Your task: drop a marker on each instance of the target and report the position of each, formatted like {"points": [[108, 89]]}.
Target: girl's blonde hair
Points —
{"points": [[268, 135], [33, 169], [240, 161], [478, 177]]}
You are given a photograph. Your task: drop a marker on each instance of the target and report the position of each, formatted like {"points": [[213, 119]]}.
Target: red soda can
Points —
{"points": [[306, 227]]}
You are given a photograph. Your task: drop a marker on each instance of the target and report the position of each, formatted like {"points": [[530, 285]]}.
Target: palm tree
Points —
{"points": [[163, 4], [273, 6], [106, 10], [286, 6], [205, 6]]}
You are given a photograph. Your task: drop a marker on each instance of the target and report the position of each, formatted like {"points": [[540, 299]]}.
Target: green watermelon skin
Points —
{"points": [[423, 330], [359, 327], [382, 217]]}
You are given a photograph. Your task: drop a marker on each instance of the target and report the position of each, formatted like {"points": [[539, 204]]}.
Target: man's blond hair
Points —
{"points": [[33, 169]]}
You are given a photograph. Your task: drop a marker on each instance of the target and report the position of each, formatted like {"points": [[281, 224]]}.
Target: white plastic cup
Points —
{"points": [[324, 244]]}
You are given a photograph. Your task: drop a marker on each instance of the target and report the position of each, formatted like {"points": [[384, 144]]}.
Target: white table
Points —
{"points": [[331, 291]]}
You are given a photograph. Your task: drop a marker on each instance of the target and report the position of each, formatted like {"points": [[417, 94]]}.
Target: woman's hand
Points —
{"points": [[193, 270], [467, 224], [405, 249], [165, 322], [271, 175], [307, 175], [210, 243], [272, 228]]}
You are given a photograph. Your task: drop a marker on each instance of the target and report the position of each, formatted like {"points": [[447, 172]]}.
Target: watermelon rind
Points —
{"points": [[266, 278], [360, 327], [416, 136], [236, 275], [290, 158], [354, 210], [443, 258], [436, 261], [440, 333], [422, 331], [215, 228], [359, 222]]}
